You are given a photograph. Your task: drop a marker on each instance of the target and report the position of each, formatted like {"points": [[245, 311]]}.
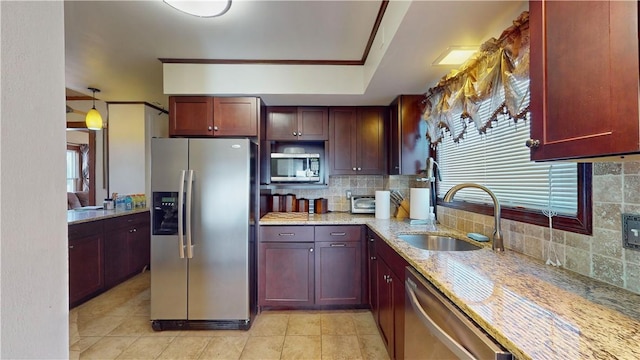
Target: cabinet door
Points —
{"points": [[371, 154], [285, 274], [397, 289], [86, 275], [408, 145], [282, 123], [139, 247], [116, 256], [190, 116], [584, 78], [385, 305], [373, 274], [342, 129], [235, 116], [313, 123], [337, 274]]}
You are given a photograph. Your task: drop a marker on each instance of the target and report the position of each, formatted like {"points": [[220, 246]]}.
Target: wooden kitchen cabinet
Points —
{"points": [[127, 247], [357, 140], [584, 78], [338, 265], [285, 274], [205, 116], [86, 275], [372, 273], [408, 144], [297, 123]]}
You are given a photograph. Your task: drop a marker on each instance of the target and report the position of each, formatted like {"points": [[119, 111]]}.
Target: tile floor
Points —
{"points": [[115, 325]]}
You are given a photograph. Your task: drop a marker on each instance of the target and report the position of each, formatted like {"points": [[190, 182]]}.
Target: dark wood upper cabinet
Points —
{"points": [[213, 116], [584, 78], [297, 123], [408, 144], [357, 141]]}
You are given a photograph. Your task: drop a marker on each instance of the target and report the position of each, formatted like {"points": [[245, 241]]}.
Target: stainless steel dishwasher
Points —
{"points": [[434, 328]]}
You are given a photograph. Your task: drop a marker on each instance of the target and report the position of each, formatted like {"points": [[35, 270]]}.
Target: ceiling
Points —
{"points": [[116, 45]]}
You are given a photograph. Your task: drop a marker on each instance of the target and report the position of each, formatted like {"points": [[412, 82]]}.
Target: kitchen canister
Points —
{"points": [[320, 206], [289, 204], [303, 205], [276, 202], [383, 204]]}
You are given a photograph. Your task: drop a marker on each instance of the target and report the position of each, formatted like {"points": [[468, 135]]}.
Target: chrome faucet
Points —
{"points": [[498, 244]]}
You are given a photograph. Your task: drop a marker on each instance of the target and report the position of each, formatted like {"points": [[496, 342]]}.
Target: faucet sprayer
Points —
{"points": [[497, 244]]}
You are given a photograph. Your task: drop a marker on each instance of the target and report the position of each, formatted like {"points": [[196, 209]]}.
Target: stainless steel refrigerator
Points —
{"points": [[203, 233]]}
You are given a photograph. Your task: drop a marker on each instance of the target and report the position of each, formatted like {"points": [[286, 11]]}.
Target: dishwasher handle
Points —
{"points": [[436, 330]]}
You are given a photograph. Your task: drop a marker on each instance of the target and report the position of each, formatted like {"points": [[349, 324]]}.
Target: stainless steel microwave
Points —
{"points": [[295, 167]]}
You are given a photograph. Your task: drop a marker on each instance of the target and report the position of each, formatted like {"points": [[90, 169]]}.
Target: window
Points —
{"points": [[500, 161], [73, 168]]}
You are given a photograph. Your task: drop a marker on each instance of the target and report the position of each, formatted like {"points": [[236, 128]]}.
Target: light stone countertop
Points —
{"points": [[83, 216], [534, 310]]}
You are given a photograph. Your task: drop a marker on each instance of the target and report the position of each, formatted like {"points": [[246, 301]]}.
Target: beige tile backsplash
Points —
{"points": [[616, 190]]}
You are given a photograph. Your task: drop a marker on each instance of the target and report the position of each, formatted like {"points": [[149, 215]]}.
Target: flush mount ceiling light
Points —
{"points": [[455, 55], [93, 119], [201, 8]]}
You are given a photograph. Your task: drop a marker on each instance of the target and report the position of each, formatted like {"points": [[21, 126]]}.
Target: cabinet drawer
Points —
{"points": [[286, 233], [338, 233], [77, 231], [126, 220]]}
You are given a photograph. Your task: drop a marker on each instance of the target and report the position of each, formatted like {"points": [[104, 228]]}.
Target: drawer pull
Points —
{"points": [[286, 234], [70, 246], [311, 250], [338, 234], [373, 258], [338, 245]]}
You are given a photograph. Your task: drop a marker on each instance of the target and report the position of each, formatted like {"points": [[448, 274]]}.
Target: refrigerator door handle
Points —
{"points": [[181, 215], [189, 200]]}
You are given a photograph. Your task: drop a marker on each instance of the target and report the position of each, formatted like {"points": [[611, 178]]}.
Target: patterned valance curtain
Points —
{"points": [[488, 79]]}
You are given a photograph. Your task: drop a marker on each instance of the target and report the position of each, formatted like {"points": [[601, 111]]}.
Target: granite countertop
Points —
{"points": [[82, 216], [534, 310]]}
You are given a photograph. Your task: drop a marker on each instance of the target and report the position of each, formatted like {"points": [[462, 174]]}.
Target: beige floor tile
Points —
{"points": [[372, 347], [337, 324], [85, 342], [340, 347], [107, 348], [364, 323], [268, 324], [185, 348], [139, 326], [263, 347], [304, 324], [215, 333], [224, 348], [99, 325], [302, 347], [145, 348]]}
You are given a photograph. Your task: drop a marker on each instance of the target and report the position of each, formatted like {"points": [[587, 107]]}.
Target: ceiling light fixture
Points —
{"points": [[455, 55], [93, 119], [201, 8]]}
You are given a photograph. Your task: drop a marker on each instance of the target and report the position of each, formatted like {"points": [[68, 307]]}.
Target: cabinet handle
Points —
{"points": [[311, 250], [372, 239], [210, 128], [338, 234], [295, 133], [299, 134], [338, 245], [354, 169], [215, 128], [532, 143], [372, 258], [359, 169], [70, 246], [286, 234], [397, 167]]}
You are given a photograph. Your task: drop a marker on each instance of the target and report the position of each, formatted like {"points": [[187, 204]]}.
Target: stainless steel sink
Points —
{"points": [[438, 242]]}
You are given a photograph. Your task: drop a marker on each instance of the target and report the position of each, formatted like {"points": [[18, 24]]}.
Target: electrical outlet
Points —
{"points": [[631, 231], [348, 194]]}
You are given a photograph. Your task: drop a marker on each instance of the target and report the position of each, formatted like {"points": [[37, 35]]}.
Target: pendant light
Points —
{"points": [[93, 119]]}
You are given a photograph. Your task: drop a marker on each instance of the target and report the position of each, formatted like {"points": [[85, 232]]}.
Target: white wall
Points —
{"points": [[33, 228], [131, 127]]}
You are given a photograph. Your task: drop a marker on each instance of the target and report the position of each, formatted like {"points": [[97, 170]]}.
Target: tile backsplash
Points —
{"points": [[616, 190]]}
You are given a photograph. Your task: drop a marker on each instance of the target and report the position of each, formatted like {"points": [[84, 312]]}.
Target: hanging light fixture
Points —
{"points": [[93, 119], [211, 8]]}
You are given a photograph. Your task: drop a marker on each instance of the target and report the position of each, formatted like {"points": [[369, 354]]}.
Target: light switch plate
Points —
{"points": [[348, 194], [631, 231]]}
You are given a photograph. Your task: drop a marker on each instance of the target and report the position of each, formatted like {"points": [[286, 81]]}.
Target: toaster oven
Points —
{"points": [[363, 205]]}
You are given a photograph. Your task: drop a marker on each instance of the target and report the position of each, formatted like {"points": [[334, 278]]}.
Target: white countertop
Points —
{"points": [[82, 216]]}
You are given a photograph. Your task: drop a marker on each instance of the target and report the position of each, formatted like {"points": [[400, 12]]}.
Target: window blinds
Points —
{"points": [[500, 161]]}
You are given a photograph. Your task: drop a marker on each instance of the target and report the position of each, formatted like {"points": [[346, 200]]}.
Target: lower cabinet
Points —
{"points": [[389, 283], [127, 249], [86, 275], [309, 266]]}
